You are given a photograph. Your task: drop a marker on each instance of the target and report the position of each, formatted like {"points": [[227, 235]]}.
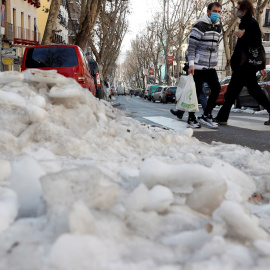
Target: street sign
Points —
{"points": [[170, 59], [9, 52], [7, 61]]}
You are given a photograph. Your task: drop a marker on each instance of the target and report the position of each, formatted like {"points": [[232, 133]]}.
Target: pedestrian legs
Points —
{"points": [[234, 88]]}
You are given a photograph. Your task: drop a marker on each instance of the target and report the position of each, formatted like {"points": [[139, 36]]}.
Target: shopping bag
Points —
{"points": [[186, 96]]}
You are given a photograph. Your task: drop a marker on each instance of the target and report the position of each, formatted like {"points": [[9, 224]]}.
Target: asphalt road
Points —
{"points": [[244, 129]]}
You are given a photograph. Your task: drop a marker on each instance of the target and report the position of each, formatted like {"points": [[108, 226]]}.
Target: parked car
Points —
{"points": [[169, 94], [224, 84], [67, 60], [152, 90], [158, 94], [246, 100]]}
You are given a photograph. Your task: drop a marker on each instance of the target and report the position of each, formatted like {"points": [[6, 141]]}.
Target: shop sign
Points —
{"points": [[170, 59], [17, 61], [9, 52], [7, 61], [151, 72]]}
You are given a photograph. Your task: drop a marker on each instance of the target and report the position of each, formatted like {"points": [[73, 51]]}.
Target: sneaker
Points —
{"points": [[177, 113], [220, 122], [207, 121], [192, 123]]}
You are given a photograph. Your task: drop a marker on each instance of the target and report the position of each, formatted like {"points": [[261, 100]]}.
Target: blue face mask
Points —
{"points": [[214, 17]]}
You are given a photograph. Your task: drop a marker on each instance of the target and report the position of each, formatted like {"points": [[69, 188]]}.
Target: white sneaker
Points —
{"points": [[207, 121], [192, 123]]}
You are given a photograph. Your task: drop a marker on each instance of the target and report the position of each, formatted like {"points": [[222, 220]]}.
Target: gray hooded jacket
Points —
{"points": [[203, 44]]}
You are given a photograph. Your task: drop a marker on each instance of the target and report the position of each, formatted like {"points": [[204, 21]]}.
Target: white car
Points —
{"points": [[158, 94]]}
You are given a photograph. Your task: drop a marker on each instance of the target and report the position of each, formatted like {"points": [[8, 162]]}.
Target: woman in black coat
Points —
{"points": [[244, 71]]}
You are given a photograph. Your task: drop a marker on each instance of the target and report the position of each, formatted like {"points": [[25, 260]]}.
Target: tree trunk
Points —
{"points": [[88, 23], [50, 25]]}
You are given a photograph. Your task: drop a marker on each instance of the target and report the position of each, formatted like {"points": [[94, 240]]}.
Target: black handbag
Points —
{"points": [[255, 57]]}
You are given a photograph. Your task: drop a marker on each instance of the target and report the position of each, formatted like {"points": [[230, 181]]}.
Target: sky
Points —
{"points": [[141, 12], [84, 186]]}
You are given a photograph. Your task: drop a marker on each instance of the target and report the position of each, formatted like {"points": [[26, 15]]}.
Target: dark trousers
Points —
{"points": [[241, 77], [210, 77]]}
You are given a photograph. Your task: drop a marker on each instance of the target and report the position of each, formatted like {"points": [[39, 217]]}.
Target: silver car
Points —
{"points": [[158, 94]]}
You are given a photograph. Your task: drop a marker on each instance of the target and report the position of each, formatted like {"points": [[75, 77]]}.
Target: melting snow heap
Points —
{"points": [[84, 187]]}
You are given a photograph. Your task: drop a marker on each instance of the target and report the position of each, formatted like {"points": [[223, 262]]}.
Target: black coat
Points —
{"points": [[252, 38]]}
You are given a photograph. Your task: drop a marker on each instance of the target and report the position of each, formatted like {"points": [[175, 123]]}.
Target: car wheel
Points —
{"points": [[153, 100]]}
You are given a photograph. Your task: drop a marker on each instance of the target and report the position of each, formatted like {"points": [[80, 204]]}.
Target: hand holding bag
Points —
{"points": [[186, 95]]}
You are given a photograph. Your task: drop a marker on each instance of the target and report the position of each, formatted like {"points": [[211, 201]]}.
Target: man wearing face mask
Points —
{"points": [[202, 58], [244, 72]]}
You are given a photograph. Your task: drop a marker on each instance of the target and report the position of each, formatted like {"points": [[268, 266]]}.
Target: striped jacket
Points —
{"points": [[203, 44]]}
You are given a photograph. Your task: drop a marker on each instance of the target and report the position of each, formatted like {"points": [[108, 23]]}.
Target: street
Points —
{"points": [[244, 129]]}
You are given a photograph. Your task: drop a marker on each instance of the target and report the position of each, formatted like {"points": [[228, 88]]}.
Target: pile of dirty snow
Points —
{"points": [[84, 187]]}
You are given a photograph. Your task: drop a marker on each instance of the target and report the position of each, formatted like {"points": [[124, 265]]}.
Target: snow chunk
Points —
{"points": [[39, 101], [24, 180], [46, 76], [77, 251], [240, 186], [36, 113], [8, 208], [7, 98], [5, 170], [181, 177], [70, 91], [138, 198], [87, 184], [160, 198], [81, 221], [207, 196], [240, 225], [10, 76]]}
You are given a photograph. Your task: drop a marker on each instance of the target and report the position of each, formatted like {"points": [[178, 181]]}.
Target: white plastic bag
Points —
{"points": [[185, 95]]}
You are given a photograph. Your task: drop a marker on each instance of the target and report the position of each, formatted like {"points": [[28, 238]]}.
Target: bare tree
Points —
{"points": [[50, 25], [109, 32]]}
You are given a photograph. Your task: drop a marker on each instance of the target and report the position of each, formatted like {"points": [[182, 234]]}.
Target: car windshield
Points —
{"points": [[47, 57], [172, 89]]}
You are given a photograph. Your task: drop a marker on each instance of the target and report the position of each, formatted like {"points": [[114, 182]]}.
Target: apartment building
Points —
{"points": [[20, 23]]}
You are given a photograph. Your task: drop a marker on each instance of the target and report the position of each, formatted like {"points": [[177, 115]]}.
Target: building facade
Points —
{"points": [[20, 23]]}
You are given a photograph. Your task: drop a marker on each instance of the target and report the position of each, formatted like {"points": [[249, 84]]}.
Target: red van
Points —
{"points": [[68, 60]]}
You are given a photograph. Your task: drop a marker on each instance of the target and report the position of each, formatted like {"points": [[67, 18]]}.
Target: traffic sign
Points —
{"points": [[9, 52]]}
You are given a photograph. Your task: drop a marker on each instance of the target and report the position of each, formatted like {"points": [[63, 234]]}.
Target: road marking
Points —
{"points": [[256, 123], [174, 124]]}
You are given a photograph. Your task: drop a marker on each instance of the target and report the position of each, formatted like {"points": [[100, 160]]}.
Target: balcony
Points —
{"points": [[19, 35]]}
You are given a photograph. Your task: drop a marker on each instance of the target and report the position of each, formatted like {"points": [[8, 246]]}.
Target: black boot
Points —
{"points": [[267, 123], [177, 113]]}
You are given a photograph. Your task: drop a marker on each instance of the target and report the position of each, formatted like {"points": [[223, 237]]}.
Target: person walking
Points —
{"points": [[244, 73], [202, 56]]}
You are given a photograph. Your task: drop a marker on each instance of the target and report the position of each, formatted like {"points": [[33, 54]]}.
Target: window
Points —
{"points": [[51, 57], [14, 23], [22, 25], [172, 89], [267, 18]]}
